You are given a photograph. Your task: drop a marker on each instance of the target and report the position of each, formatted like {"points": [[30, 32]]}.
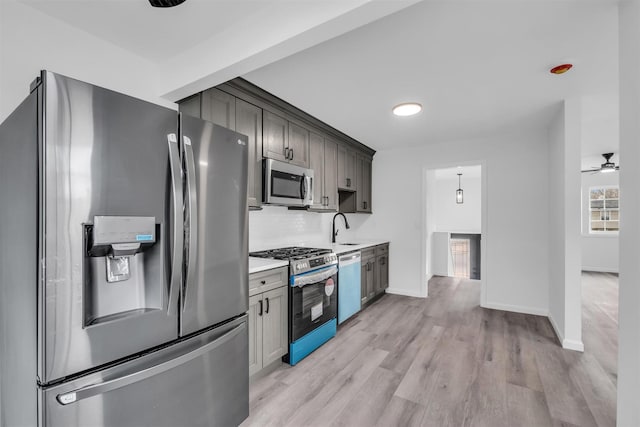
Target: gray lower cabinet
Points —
{"points": [[249, 122], [323, 157], [374, 272], [382, 264], [268, 326], [367, 274]]}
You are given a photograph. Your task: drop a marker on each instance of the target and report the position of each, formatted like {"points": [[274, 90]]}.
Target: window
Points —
{"points": [[604, 210]]}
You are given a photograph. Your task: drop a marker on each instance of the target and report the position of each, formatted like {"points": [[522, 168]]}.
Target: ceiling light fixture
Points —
{"points": [[407, 109], [459, 193], [561, 69], [165, 3]]}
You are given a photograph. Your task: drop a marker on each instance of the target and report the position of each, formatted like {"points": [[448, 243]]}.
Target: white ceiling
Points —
{"points": [[478, 66]]}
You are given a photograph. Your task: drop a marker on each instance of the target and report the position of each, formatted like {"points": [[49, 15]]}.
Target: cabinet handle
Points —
{"points": [[286, 153], [267, 309], [290, 154], [263, 282], [260, 312], [348, 182]]}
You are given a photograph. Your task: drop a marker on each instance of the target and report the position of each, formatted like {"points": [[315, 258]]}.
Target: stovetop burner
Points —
{"points": [[291, 253]]}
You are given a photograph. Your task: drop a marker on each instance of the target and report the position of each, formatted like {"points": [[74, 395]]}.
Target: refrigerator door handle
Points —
{"points": [[192, 203], [116, 383], [178, 223]]}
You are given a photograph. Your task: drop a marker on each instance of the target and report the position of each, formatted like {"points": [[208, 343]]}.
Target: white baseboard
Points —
{"points": [[517, 308], [568, 344], [573, 345], [406, 293], [601, 270]]}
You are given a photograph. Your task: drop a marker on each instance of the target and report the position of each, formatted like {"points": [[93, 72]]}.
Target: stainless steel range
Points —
{"points": [[313, 297]]}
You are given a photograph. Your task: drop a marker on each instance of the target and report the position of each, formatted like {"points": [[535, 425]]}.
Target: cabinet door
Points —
{"points": [[346, 168], [191, 106], [317, 163], [363, 185], [364, 296], [255, 334], [382, 265], [219, 107], [275, 136], [298, 145], [371, 278], [274, 328], [331, 174], [249, 122]]}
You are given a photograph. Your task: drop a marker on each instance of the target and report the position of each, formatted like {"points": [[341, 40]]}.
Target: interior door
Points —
{"points": [[216, 282], [105, 154]]}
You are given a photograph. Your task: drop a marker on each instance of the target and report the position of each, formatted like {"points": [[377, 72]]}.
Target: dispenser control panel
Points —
{"points": [[109, 230]]}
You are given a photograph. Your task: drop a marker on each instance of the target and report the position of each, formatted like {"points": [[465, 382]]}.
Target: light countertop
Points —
{"points": [[261, 264]]}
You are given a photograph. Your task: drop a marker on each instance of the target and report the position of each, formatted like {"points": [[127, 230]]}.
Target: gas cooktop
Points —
{"points": [[291, 253], [301, 259]]}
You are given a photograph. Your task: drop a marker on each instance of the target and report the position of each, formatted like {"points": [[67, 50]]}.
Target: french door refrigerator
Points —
{"points": [[123, 263]]}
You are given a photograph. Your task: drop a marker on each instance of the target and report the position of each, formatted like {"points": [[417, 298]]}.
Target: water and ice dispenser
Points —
{"points": [[123, 271]]}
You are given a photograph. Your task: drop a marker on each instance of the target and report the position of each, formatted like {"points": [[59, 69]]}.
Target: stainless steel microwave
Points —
{"points": [[286, 184]]}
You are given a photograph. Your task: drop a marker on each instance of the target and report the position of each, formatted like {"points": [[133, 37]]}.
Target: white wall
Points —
{"points": [[516, 270], [31, 41], [454, 217], [599, 251], [629, 283], [565, 309]]}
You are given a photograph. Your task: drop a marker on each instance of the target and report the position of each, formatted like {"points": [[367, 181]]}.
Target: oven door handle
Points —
{"points": [[311, 278]]}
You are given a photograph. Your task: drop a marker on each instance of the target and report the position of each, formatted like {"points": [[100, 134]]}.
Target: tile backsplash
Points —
{"points": [[276, 226]]}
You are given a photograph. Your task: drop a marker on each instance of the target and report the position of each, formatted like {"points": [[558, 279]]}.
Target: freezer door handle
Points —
{"points": [[116, 383], [192, 204], [178, 223]]}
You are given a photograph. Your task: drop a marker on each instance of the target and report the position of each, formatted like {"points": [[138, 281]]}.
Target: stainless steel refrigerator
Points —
{"points": [[123, 263]]}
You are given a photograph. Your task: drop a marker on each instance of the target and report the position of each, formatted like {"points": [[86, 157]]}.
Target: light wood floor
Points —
{"points": [[446, 361]]}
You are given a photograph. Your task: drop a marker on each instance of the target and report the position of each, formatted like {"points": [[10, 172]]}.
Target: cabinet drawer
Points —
{"points": [[368, 253], [382, 249], [267, 280]]}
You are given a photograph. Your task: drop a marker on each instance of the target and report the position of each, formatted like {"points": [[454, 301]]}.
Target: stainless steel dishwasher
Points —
{"points": [[348, 285]]}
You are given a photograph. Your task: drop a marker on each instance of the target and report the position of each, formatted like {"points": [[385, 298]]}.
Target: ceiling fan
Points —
{"points": [[607, 166]]}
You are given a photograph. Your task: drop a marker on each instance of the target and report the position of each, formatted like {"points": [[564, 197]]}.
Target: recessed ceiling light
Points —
{"points": [[561, 69], [407, 109]]}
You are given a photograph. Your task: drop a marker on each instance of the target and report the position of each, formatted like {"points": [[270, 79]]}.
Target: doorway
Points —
{"points": [[454, 224]]}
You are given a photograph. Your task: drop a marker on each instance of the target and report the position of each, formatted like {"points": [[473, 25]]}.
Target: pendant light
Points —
{"points": [[459, 195]]}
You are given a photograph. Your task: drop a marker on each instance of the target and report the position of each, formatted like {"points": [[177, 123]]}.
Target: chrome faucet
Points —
{"points": [[334, 232]]}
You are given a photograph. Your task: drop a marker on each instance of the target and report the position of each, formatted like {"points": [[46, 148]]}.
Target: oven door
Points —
{"points": [[286, 184], [314, 300]]}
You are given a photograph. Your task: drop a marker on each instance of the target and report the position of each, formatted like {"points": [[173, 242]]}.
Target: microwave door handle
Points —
{"points": [[178, 223], [192, 204], [303, 187]]}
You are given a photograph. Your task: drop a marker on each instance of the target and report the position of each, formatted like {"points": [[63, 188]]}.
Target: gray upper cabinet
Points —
{"points": [[331, 174], [346, 169], [316, 162], [191, 106], [284, 140], [298, 145], [323, 159], [249, 122], [363, 184], [275, 134], [219, 107]]}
